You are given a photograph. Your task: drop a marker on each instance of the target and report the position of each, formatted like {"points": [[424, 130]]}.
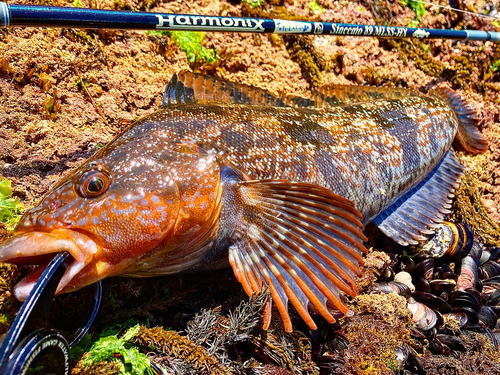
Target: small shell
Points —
{"points": [[405, 278], [494, 253], [491, 299], [462, 298], [472, 315], [452, 342], [402, 354], [423, 285]]}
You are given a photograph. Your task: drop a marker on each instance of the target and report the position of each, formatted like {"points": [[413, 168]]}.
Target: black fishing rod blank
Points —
{"points": [[12, 15]]}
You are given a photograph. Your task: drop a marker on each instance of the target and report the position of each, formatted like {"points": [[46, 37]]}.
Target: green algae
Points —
{"points": [[253, 3], [110, 348], [315, 8], [10, 208], [418, 9]]}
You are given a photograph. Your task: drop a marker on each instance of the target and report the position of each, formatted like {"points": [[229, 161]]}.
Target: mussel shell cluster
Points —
{"points": [[457, 286]]}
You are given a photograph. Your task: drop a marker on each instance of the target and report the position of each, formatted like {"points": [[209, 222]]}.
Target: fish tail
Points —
{"points": [[468, 137]]}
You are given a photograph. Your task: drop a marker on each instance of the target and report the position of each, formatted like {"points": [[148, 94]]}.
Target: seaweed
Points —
{"points": [[52, 105], [200, 59], [110, 348], [300, 47], [376, 331], [468, 208], [193, 358], [10, 208], [253, 3], [315, 8], [418, 9]]}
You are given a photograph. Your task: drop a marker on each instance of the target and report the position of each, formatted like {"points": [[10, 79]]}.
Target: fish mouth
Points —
{"points": [[39, 248]]}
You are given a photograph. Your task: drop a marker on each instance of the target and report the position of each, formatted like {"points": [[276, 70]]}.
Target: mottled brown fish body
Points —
{"points": [[370, 153], [278, 192]]}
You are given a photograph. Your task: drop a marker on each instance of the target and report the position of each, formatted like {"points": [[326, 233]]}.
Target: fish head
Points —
{"points": [[114, 210]]}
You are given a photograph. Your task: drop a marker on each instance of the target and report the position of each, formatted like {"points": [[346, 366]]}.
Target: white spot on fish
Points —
{"points": [[254, 232], [83, 221]]}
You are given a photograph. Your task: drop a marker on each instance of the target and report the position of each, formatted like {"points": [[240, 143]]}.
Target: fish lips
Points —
{"points": [[37, 247]]}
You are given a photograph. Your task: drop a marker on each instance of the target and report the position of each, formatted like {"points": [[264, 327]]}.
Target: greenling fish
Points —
{"points": [[279, 188]]}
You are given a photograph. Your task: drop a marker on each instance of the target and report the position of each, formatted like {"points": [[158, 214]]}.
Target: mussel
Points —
{"points": [[451, 241], [432, 301], [488, 317], [423, 317], [392, 287], [468, 273], [489, 269]]}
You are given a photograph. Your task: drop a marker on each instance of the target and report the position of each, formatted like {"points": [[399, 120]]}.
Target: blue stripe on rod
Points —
{"points": [[45, 16]]}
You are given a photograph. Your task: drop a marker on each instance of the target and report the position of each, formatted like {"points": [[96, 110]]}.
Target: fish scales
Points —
{"points": [[279, 193], [395, 143]]}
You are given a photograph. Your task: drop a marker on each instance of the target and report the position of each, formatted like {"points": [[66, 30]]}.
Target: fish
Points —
{"points": [[277, 187]]}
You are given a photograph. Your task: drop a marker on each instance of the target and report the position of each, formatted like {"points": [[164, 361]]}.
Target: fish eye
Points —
{"points": [[93, 183]]}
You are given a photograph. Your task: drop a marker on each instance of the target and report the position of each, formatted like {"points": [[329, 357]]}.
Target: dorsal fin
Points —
{"points": [[189, 87], [338, 95], [468, 137]]}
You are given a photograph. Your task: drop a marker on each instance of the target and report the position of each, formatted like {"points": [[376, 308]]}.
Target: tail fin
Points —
{"points": [[468, 137]]}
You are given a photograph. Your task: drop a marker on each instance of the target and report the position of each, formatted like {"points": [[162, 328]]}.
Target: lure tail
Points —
{"points": [[468, 137]]}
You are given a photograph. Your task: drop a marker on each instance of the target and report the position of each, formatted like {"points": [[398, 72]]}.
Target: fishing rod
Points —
{"points": [[12, 15]]}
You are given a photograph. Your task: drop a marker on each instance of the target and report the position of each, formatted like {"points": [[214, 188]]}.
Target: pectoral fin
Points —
{"points": [[300, 240]]}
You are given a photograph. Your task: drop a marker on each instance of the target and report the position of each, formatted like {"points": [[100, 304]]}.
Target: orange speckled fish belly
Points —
{"points": [[279, 188]]}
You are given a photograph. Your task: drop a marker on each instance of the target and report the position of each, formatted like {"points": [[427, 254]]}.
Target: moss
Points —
{"points": [[376, 332], [468, 208], [100, 368], [172, 344], [109, 348]]}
